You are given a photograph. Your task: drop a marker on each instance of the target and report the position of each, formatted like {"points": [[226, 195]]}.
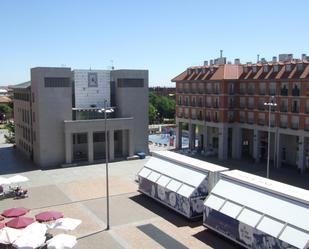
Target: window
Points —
{"points": [[180, 100], [276, 68], [81, 138], [121, 83], [288, 67], [98, 137], [265, 68], [300, 67], [57, 82]]}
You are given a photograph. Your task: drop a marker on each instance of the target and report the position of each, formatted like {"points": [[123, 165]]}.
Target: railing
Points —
{"points": [[200, 104], [186, 90], [231, 119], [193, 104], [261, 122], [241, 105], [295, 92], [272, 123], [180, 115], [295, 109], [272, 92], [250, 121], [216, 91], [208, 91], [307, 109], [283, 124], [208, 118], [200, 91], [186, 115], [262, 91], [241, 90], [250, 106], [241, 119], [215, 105], [250, 91], [295, 126], [200, 117], [284, 92], [180, 90], [261, 107], [283, 108], [306, 128], [193, 116], [193, 90]]}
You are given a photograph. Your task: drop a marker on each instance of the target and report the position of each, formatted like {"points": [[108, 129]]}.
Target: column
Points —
{"points": [[68, 147], [236, 142], [90, 146], [278, 151], [301, 146], [179, 135], [223, 144], [206, 142], [111, 148], [131, 142], [256, 146]]}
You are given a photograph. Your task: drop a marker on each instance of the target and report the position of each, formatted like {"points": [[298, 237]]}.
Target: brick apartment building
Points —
{"points": [[223, 105]]}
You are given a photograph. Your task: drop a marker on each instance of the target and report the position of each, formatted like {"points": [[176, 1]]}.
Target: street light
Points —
{"points": [[270, 104], [106, 110]]}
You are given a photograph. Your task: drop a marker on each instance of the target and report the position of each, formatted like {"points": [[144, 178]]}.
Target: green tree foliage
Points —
{"points": [[11, 129], [162, 107], [5, 109]]}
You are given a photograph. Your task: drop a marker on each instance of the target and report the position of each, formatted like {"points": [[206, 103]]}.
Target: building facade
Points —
{"points": [[58, 121], [223, 106]]}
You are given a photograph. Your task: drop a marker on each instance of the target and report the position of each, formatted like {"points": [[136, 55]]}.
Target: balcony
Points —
{"points": [[208, 91], [306, 128], [261, 122], [216, 120], [295, 125], [208, 118], [250, 121], [250, 91], [180, 115], [200, 104], [193, 90], [216, 91], [295, 109], [231, 119], [180, 90], [241, 105], [283, 108], [307, 110], [200, 91], [200, 117], [272, 92], [186, 90], [250, 106], [186, 115], [261, 107], [272, 123], [284, 92], [262, 91], [242, 91], [283, 124], [241, 119], [193, 116], [295, 92], [193, 104]]}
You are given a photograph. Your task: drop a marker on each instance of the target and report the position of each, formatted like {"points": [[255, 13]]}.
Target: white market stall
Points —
{"points": [[257, 212], [179, 182]]}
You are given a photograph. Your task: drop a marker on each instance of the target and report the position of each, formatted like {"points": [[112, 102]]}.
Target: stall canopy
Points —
{"points": [[257, 212], [178, 182]]}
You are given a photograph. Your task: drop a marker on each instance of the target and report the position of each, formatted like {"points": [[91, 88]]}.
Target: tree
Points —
{"points": [[165, 107], [5, 109], [152, 113], [11, 129]]}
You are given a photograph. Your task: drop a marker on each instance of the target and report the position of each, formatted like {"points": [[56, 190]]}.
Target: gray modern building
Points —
{"points": [[58, 120]]}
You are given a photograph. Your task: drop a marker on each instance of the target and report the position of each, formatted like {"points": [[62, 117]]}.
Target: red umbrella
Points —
{"points": [[2, 225], [19, 222], [15, 212], [48, 215]]}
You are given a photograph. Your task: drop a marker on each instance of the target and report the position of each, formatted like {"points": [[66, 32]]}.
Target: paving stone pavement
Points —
{"points": [[79, 192]]}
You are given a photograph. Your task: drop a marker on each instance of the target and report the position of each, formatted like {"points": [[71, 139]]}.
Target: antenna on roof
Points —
{"points": [[221, 52], [112, 63]]}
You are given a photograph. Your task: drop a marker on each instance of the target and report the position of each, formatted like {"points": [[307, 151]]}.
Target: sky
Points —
{"points": [[163, 36]]}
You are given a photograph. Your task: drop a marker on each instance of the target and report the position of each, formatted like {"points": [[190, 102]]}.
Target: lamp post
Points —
{"points": [[270, 104], [106, 110]]}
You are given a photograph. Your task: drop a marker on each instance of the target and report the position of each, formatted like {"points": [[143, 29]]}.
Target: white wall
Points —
{"points": [[86, 96]]}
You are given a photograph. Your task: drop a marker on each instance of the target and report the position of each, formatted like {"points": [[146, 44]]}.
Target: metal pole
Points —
{"points": [[268, 145], [106, 169]]}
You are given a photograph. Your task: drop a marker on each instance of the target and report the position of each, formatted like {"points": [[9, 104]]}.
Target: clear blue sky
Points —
{"points": [[164, 36]]}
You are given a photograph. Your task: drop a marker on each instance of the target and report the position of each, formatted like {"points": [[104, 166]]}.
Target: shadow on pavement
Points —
{"points": [[11, 161], [165, 212], [216, 241]]}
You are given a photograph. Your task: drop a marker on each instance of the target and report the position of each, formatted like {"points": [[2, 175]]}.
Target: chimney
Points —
{"points": [[237, 61], [205, 63], [274, 59], [211, 62], [258, 58], [263, 60], [303, 57], [221, 52]]}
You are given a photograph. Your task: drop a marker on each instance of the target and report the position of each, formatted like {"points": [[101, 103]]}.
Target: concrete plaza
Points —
{"points": [[79, 192]]}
